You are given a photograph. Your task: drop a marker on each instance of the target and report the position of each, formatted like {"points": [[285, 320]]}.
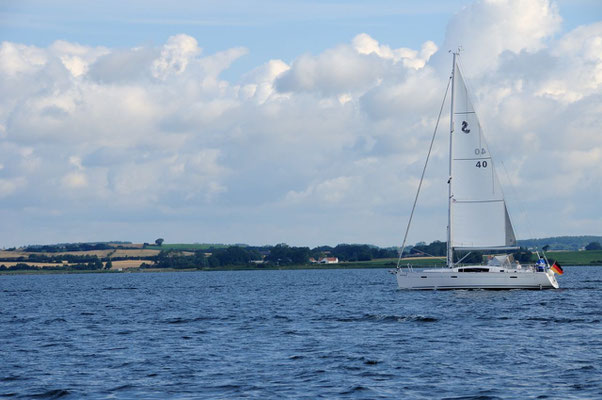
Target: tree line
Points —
{"points": [[96, 264], [279, 255], [58, 258], [59, 248]]}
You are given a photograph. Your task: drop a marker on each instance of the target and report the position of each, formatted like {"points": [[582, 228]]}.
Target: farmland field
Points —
{"points": [[591, 257], [124, 264]]}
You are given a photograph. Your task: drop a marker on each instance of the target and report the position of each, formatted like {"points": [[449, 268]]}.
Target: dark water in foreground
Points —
{"points": [[295, 334]]}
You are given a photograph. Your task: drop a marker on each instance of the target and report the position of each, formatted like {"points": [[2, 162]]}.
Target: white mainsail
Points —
{"points": [[479, 218]]}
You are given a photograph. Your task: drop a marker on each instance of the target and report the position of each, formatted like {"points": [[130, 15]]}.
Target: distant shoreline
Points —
{"points": [[234, 268], [139, 260], [43, 271]]}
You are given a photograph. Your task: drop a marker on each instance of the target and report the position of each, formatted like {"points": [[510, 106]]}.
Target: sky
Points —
{"points": [[303, 122]]}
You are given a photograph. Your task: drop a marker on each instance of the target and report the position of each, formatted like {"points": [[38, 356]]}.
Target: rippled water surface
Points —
{"points": [[295, 334]]}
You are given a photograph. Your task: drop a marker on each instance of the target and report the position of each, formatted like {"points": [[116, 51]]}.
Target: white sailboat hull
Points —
{"points": [[451, 278]]}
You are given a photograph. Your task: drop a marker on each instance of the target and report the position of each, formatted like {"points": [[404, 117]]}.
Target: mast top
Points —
{"points": [[457, 51]]}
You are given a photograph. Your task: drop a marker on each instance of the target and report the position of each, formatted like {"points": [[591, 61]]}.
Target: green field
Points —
{"points": [[591, 257]]}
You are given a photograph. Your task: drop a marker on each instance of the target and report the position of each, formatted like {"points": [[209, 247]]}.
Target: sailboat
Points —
{"points": [[478, 219]]}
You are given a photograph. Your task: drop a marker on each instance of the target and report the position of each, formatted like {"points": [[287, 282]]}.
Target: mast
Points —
{"points": [[450, 252]]}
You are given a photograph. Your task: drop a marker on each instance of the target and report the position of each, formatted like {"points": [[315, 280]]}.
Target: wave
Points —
{"points": [[387, 318], [52, 321], [584, 368], [399, 318], [122, 387], [354, 389], [16, 291], [51, 394], [478, 397], [561, 320], [21, 320], [178, 320], [11, 378]]}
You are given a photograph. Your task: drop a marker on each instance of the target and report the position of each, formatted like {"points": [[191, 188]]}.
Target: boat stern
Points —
{"points": [[552, 278]]}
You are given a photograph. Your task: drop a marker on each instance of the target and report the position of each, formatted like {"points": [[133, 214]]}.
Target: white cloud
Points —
{"points": [[175, 55], [487, 28], [331, 191], [335, 71], [580, 59], [364, 44], [10, 186], [76, 58], [20, 59], [328, 143], [74, 180], [259, 83]]}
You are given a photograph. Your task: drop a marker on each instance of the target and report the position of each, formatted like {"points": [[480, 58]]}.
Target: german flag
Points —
{"points": [[557, 268]]}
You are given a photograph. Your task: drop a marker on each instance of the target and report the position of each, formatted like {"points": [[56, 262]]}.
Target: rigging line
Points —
{"points": [[422, 176], [462, 259]]}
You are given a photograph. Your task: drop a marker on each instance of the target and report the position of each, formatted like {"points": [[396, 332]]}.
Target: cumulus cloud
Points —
{"points": [[332, 191], [335, 71], [327, 143], [10, 186], [123, 65], [487, 28], [20, 59], [175, 56], [74, 180], [364, 44]]}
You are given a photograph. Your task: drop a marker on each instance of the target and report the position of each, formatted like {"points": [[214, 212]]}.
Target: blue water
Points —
{"points": [[295, 334]]}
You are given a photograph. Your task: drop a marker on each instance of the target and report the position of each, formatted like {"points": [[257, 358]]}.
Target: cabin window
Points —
{"points": [[514, 277], [454, 276], [423, 276], [473, 270]]}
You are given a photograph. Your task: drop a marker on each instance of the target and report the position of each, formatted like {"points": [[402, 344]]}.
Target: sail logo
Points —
{"points": [[465, 127]]}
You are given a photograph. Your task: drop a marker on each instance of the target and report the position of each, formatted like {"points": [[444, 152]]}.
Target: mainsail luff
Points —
{"points": [[478, 217]]}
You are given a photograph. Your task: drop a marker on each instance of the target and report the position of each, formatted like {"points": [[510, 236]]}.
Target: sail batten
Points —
{"points": [[479, 218]]}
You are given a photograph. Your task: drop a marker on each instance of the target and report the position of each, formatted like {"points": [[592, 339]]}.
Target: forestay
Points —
{"points": [[479, 218]]}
